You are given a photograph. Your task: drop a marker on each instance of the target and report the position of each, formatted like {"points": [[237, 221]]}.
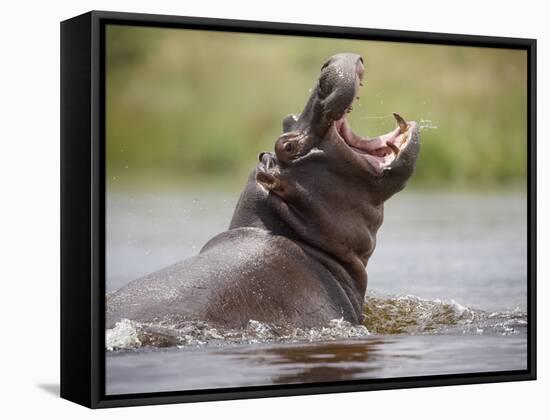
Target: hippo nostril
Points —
{"points": [[360, 69], [288, 147], [325, 65], [261, 155]]}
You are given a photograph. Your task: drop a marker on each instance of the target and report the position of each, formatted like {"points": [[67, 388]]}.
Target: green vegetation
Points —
{"points": [[190, 106]]}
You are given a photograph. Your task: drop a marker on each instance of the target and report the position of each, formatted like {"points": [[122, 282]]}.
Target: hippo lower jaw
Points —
{"points": [[379, 152]]}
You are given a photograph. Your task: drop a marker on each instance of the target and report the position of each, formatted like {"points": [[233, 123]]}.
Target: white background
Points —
{"points": [[29, 153]]}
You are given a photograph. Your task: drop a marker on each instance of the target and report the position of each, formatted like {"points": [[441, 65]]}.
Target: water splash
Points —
{"points": [[384, 315], [426, 125], [124, 336], [413, 315], [128, 334]]}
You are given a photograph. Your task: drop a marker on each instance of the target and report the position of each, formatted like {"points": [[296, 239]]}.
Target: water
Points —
{"points": [[447, 294], [156, 370]]}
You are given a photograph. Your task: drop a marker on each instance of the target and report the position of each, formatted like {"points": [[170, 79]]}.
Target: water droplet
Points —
{"points": [[426, 125]]}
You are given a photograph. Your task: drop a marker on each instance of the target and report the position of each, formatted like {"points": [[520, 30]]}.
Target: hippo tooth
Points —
{"points": [[393, 147], [401, 122]]}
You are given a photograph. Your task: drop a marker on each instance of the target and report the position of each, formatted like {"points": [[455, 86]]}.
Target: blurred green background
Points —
{"points": [[189, 107]]}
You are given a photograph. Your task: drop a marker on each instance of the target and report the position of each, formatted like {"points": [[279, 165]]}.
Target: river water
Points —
{"points": [[447, 294]]}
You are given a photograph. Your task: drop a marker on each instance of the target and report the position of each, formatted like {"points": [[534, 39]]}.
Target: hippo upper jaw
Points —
{"points": [[384, 163], [375, 155]]}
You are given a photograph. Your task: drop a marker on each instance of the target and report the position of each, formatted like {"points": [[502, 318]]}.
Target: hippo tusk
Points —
{"points": [[393, 147], [403, 126]]}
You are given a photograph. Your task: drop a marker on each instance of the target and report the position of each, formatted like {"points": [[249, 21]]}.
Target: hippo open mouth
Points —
{"points": [[378, 151], [323, 126]]}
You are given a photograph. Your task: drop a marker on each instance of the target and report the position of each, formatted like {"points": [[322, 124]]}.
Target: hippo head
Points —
{"points": [[379, 166], [325, 185]]}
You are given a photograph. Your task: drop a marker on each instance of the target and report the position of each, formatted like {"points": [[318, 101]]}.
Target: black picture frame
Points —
{"points": [[83, 208]]}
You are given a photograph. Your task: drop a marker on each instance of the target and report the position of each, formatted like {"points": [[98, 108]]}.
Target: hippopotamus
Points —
{"points": [[304, 227]]}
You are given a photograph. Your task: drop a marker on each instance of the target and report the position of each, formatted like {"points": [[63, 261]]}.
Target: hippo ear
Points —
{"points": [[271, 182]]}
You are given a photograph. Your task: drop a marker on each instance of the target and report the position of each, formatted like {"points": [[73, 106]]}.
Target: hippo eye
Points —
{"points": [[288, 147]]}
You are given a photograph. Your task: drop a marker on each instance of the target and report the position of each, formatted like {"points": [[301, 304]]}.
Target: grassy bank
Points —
{"points": [[187, 107]]}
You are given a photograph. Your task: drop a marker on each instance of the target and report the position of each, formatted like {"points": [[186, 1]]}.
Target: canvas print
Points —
{"points": [[297, 210]]}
